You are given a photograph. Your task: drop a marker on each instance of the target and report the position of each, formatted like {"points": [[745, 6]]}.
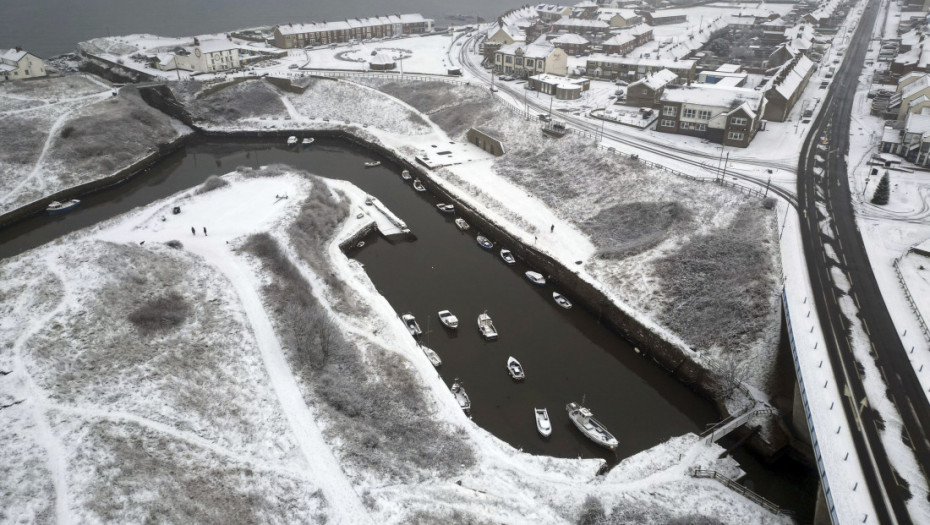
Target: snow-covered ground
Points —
{"points": [[58, 133], [145, 376]]}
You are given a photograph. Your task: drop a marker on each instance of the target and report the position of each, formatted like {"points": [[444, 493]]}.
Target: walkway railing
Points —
{"points": [[736, 487], [722, 428], [910, 300]]}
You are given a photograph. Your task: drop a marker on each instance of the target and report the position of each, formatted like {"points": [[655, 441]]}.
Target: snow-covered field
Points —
{"points": [[148, 376], [58, 133]]}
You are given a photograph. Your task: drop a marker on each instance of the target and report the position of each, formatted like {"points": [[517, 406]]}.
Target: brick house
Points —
{"points": [[725, 115], [571, 43], [632, 69], [785, 88], [647, 92], [302, 35]]}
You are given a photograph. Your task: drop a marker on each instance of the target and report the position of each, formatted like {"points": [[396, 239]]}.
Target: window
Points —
{"points": [[645, 91], [703, 115], [669, 111], [687, 113], [530, 63], [733, 135], [508, 59], [694, 126], [519, 61], [668, 123], [738, 121]]}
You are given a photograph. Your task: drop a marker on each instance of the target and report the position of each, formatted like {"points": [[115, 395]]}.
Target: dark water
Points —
{"points": [[52, 27], [567, 354]]}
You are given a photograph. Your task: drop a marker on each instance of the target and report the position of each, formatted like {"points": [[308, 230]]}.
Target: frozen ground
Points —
{"points": [[160, 382], [62, 132]]}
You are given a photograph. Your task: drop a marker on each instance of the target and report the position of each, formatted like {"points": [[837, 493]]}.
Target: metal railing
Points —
{"points": [[910, 300], [740, 489]]}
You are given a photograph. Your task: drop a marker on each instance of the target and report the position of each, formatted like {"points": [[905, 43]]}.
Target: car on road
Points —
{"points": [[543, 117], [494, 89]]}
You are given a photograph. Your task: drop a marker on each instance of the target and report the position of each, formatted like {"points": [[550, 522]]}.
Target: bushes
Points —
{"points": [[66, 131], [213, 182], [174, 243], [882, 192], [630, 228], [160, 314]]}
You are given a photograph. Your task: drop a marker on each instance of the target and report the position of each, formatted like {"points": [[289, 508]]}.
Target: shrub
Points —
{"points": [[882, 192], [769, 203], [174, 243], [592, 511], [213, 182], [160, 314], [66, 131]]}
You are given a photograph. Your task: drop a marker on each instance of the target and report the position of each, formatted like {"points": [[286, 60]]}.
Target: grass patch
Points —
{"points": [[213, 182], [161, 313]]}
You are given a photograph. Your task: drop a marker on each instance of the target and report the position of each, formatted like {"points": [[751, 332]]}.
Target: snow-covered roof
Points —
{"points": [[917, 123], [585, 4], [793, 78], [713, 95], [535, 50], [164, 59], [381, 59], [891, 135], [619, 40], [657, 80], [570, 38], [919, 100], [551, 9], [729, 68], [649, 62], [916, 86], [350, 23], [577, 22], [216, 45], [12, 55]]}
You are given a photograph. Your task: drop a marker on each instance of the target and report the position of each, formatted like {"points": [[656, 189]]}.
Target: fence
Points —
{"points": [[910, 300], [825, 484], [736, 487], [720, 429], [390, 75]]}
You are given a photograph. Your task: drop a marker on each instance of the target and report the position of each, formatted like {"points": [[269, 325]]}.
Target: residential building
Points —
{"points": [[16, 64], [632, 69], [571, 43], [665, 16], [551, 13], [505, 34], [581, 26], [563, 88], [727, 115], [647, 92], [726, 75], [525, 60], [786, 87], [619, 17], [910, 95], [912, 141], [319, 33], [204, 57], [620, 44]]}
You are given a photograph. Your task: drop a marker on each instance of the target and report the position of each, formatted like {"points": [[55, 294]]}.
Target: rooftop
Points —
{"points": [[350, 23]]}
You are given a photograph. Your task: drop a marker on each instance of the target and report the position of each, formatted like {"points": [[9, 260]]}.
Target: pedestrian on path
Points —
{"points": [[552, 229], [204, 231], [193, 231]]}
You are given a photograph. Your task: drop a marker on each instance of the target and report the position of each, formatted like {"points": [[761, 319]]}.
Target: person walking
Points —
{"points": [[193, 231], [204, 231], [552, 229]]}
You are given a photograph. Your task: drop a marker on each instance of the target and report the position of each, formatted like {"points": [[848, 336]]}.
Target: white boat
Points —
{"points": [[460, 396], [307, 141], [484, 242], [417, 185], [515, 369], [412, 325], [486, 326], [291, 140], [460, 222], [369, 200], [543, 424], [448, 319], [405, 175], [445, 208], [535, 277], [432, 356], [561, 300], [372, 164], [590, 427], [56, 206], [507, 256]]}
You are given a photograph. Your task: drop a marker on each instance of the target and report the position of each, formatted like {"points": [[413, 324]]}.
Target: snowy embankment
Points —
{"points": [[63, 132], [142, 353]]}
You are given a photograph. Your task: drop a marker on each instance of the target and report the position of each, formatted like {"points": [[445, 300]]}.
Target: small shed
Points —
{"points": [[488, 143], [382, 61]]}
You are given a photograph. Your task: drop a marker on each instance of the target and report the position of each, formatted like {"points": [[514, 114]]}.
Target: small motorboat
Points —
{"points": [[291, 140], [535, 277], [307, 141], [590, 427], [561, 300], [360, 244], [372, 164], [445, 208], [417, 185], [515, 369], [484, 242], [432, 356], [460, 222], [369, 201], [486, 326], [412, 325], [543, 424], [405, 175], [448, 319], [460, 396], [55, 206], [507, 256]]}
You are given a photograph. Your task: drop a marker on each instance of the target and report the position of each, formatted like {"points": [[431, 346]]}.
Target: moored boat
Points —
{"points": [[417, 185], [507, 256], [460, 222], [535, 277], [432, 356], [405, 175], [411, 322], [307, 141], [56, 206], [543, 424], [486, 326], [561, 300], [372, 164], [484, 242], [515, 369], [460, 396], [445, 208], [448, 319], [291, 140], [590, 427]]}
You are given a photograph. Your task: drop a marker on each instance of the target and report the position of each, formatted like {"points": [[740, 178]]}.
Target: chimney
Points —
{"points": [[18, 49]]}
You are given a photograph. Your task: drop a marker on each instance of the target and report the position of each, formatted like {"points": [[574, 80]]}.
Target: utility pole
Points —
{"points": [[719, 162], [725, 161]]}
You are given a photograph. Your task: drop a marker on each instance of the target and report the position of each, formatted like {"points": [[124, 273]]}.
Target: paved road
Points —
{"points": [[903, 387]]}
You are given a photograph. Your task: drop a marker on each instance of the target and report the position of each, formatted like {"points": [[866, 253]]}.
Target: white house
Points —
{"points": [[16, 64], [527, 60], [204, 57]]}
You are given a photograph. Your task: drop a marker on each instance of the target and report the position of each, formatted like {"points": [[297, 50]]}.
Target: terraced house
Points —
{"points": [[301, 35], [523, 60], [16, 64], [726, 115]]}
